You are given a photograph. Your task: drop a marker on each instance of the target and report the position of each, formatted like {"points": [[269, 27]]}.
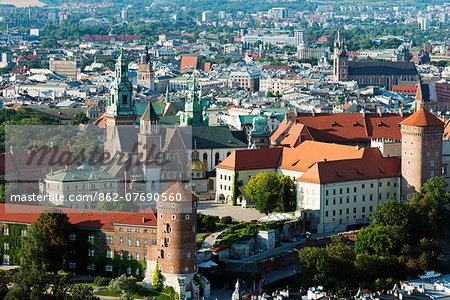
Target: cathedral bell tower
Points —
{"points": [[120, 109], [145, 74], [340, 60]]}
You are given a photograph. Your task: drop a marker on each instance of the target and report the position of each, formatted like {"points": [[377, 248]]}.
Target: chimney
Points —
{"points": [[51, 145], [313, 113], [357, 148], [380, 113], [401, 113], [11, 150], [324, 160], [144, 219], [285, 118]]}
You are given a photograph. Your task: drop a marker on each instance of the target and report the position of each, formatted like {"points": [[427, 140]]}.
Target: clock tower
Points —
{"points": [[120, 109]]}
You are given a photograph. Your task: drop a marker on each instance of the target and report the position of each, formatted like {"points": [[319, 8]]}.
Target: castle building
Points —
{"points": [[380, 73], [176, 253], [421, 151], [145, 74]]}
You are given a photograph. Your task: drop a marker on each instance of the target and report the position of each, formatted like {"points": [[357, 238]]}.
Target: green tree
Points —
{"points": [[271, 192], [124, 283], [79, 118], [205, 223], [157, 278], [55, 227], [374, 240]]}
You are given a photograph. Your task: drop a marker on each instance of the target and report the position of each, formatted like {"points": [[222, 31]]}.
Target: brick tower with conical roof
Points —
{"points": [[176, 249], [421, 151]]}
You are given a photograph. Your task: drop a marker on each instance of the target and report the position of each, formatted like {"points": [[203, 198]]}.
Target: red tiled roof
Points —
{"points": [[28, 214], [251, 159], [189, 63], [422, 118], [101, 121], [371, 165], [338, 127], [186, 195], [299, 158]]}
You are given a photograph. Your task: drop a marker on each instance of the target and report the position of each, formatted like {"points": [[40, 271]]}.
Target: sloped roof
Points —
{"points": [[186, 195], [300, 158], [252, 159], [28, 214], [381, 68], [371, 165], [78, 175], [338, 127], [149, 113], [422, 117]]}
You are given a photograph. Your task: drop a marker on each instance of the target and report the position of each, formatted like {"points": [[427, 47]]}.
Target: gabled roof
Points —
{"points": [[252, 159], [300, 158], [381, 68], [28, 214], [422, 118], [371, 165], [338, 127]]}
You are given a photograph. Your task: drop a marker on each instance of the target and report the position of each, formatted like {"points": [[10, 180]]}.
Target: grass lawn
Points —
{"points": [[139, 295], [89, 282], [149, 293], [112, 293]]}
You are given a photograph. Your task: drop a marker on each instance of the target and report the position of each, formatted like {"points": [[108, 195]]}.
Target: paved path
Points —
{"points": [[210, 207], [209, 241]]}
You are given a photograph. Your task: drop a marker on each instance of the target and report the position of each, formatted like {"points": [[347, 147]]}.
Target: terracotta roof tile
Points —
{"points": [[371, 165], [422, 118], [338, 127]]}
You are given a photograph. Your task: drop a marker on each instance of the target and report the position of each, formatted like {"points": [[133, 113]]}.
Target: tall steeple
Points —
{"points": [[193, 109], [121, 102], [145, 75]]}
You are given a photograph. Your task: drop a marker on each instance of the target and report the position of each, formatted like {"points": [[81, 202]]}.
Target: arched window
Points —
{"points": [[217, 160], [205, 160]]}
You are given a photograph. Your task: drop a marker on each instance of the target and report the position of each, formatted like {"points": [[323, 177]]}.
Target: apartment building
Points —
{"points": [[65, 67]]}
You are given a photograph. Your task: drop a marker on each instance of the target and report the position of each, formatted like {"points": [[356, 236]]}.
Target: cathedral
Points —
{"points": [[372, 73], [169, 148]]}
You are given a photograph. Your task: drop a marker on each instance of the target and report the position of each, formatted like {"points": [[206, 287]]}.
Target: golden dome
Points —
{"points": [[195, 165]]}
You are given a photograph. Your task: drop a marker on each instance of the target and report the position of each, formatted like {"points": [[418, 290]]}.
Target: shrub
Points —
{"points": [[123, 283], [170, 291], [226, 220], [100, 281]]}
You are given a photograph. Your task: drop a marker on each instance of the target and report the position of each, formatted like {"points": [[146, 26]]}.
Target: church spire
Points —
{"points": [[121, 102]]}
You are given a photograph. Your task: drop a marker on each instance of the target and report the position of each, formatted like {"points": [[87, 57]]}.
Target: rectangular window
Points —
{"points": [[108, 253], [129, 242], [5, 231], [91, 252], [137, 242], [145, 242], [121, 241], [5, 246], [109, 239], [91, 238], [108, 268]]}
